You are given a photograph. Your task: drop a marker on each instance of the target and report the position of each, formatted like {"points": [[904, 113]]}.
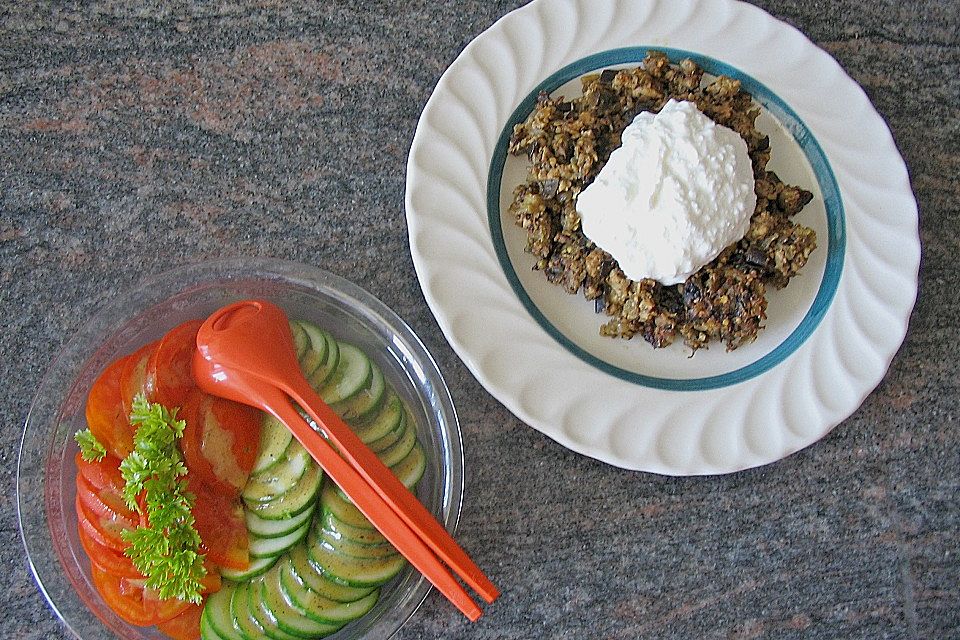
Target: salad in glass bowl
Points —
{"points": [[150, 509]]}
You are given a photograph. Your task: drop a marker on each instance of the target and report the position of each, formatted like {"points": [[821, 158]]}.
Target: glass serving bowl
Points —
{"points": [[46, 471]]}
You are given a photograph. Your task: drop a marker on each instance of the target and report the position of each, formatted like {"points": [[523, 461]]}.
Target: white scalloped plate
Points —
{"points": [[829, 336]]}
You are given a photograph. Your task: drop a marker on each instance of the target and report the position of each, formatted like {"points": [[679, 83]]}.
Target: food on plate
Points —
{"points": [[207, 519], [701, 271]]}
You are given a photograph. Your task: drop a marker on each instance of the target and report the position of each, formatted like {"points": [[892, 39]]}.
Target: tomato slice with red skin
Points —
{"points": [[107, 559], [134, 379], [185, 626], [105, 531], [170, 366], [93, 504], [84, 521], [106, 417], [237, 425], [136, 605], [220, 441], [219, 521], [101, 474]]}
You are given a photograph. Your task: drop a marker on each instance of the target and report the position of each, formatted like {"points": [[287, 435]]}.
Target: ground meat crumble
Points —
{"points": [[568, 143]]}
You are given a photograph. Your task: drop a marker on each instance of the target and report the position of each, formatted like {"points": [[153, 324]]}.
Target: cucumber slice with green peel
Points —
{"points": [[243, 621], [289, 618], [257, 567], [301, 341], [347, 547], [206, 630], [317, 607], [261, 528], [363, 406], [318, 349], [411, 468], [359, 535], [295, 501], [217, 612], [264, 617], [274, 440], [386, 420], [399, 450], [381, 444], [311, 361], [273, 547], [277, 480], [333, 500], [354, 572], [326, 370], [352, 375], [318, 340], [313, 577]]}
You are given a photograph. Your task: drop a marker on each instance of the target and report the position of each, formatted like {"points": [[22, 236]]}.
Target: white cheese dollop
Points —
{"points": [[677, 192]]}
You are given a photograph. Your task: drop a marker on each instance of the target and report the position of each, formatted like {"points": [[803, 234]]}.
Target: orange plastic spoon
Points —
{"points": [[247, 347], [241, 388]]}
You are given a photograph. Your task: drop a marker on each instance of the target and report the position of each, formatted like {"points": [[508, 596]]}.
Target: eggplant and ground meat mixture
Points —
{"points": [[568, 142]]}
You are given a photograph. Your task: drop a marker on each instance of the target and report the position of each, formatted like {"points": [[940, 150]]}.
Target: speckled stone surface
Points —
{"points": [[138, 135]]}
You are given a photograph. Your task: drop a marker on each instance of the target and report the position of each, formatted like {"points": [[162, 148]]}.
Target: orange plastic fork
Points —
{"points": [[246, 353]]}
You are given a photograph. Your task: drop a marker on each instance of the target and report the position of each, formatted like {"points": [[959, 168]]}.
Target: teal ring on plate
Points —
{"points": [[836, 235]]}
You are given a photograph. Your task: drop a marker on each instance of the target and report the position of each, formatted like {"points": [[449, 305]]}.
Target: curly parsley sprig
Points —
{"points": [[166, 549], [90, 448]]}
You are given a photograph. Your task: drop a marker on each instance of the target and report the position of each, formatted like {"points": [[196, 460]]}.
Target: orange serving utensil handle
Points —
{"points": [[253, 337], [387, 521], [257, 393], [393, 492]]}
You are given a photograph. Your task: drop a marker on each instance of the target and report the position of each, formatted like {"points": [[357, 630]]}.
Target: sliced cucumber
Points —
{"points": [[289, 618], [277, 480], [217, 613], [387, 419], [388, 439], [354, 572], [352, 374], [347, 547], [301, 341], [411, 468], [317, 607], [264, 616], [274, 440], [313, 577], [399, 450], [257, 567], [261, 528], [332, 500], [326, 370], [360, 535], [273, 547], [206, 630], [243, 621], [295, 501], [363, 406]]}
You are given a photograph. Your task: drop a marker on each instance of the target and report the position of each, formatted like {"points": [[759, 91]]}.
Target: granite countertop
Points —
{"points": [[142, 134]]}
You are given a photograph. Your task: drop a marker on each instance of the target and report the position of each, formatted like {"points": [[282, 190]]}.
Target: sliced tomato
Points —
{"points": [[231, 427], [132, 602], [170, 367], [185, 626], [133, 377], [107, 559], [105, 414], [219, 521], [101, 474], [111, 521], [84, 522], [220, 441]]}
